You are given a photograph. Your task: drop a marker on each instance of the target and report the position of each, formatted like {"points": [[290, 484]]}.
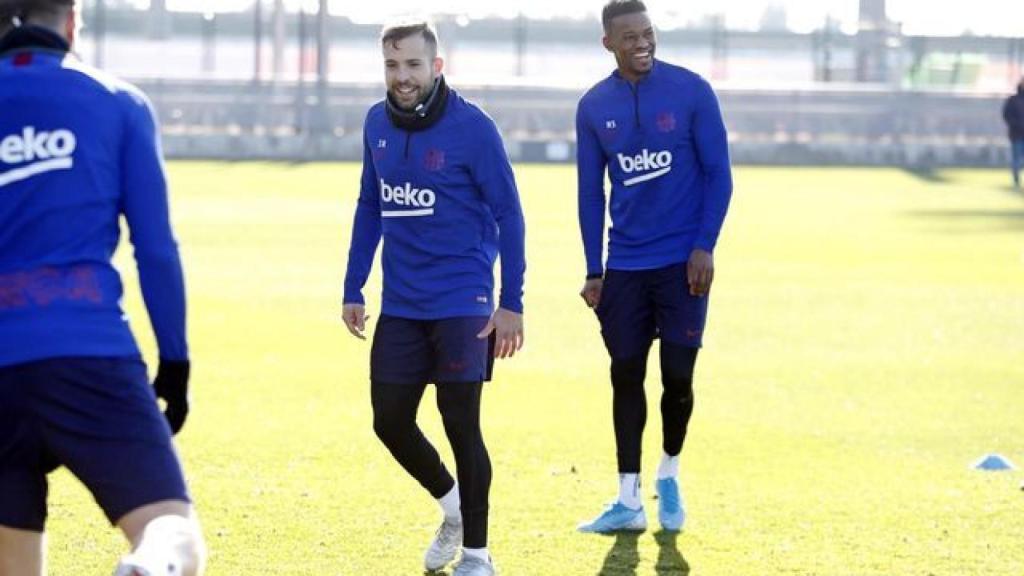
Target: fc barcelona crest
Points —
{"points": [[434, 160], [666, 122]]}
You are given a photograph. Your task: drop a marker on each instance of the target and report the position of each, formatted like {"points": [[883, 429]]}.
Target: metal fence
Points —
{"points": [[264, 84]]}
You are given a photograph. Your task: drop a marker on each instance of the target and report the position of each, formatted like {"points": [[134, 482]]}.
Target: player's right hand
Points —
{"points": [[171, 385], [355, 319], [591, 291]]}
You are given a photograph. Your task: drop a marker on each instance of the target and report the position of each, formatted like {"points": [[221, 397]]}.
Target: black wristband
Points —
{"points": [[595, 276]]}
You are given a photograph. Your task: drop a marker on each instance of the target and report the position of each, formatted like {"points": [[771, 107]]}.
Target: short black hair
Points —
{"points": [[24, 9], [392, 33], [615, 8]]}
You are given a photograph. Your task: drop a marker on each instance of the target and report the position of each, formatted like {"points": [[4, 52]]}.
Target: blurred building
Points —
{"points": [[268, 83]]}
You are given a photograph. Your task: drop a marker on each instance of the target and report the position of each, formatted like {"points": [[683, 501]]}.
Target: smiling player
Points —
{"points": [[437, 186], [658, 132]]}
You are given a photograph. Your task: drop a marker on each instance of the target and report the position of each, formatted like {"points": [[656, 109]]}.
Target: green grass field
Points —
{"points": [[865, 346]]}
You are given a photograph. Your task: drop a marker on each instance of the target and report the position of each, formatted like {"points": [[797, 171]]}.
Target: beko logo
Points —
{"points": [[43, 151], [421, 201], [651, 164]]}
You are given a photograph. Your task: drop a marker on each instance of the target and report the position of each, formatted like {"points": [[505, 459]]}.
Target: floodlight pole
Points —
{"points": [[719, 48], [159, 24], [521, 45], [209, 36], [302, 43], [279, 40], [257, 40], [100, 34], [323, 45], [322, 123], [300, 85], [1015, 62]]}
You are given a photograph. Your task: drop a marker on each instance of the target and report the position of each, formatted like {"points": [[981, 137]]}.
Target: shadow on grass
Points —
{"points": [[623, 558], [927, 174], [670, 558], [980, 220], [1016, 192]]}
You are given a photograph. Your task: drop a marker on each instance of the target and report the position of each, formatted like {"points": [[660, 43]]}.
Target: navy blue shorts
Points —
{"points": [[407, 351], [98, 417], [638, 306]]}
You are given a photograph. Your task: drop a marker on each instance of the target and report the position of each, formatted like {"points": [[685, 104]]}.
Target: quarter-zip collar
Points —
{"points": [[30, 37], [425, 115], [634, 87]]}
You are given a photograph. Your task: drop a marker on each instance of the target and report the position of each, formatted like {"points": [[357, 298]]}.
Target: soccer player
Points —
{"points": [[657, 130], [438, 187], [79, 149], [1013, 115]]}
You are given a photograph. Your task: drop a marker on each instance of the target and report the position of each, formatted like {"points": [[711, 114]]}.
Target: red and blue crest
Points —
{"points": [[434, 160], [666, 121]]}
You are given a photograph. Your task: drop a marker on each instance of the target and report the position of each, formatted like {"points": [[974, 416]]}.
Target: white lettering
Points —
{"points": [[406, 195], [652, 164], [31, 145], [44, 151], [12, 150], [61, 143]]}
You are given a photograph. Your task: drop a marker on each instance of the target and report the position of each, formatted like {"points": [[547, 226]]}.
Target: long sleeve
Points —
{"points": [[145, 206], [366, 231], [590, 167], [492, 172], [712, 148]]}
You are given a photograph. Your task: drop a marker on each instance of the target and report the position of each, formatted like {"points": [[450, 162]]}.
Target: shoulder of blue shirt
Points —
{"points": [[126, 93], [663, 72]]}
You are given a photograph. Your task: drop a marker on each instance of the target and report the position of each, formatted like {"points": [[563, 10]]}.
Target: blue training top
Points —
{"points": [[664, 145], [445, 201], [77, 150]]}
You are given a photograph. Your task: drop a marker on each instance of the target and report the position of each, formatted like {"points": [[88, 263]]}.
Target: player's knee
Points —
{"points": [[677, 363], [629, 372], [459, 404], [460, 424], [387, 428], [390, 424]]}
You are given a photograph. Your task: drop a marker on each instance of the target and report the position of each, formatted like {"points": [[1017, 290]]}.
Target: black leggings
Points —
{"points": [[394, 421], [629, 403]]}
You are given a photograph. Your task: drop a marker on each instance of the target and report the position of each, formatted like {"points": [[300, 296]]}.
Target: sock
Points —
{"points": [[451, 505], [480, 553], [169, 545], [629, 491], [669, 467]]}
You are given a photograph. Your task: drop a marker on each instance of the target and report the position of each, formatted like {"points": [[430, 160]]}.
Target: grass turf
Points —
{"points": [[865, 345]]}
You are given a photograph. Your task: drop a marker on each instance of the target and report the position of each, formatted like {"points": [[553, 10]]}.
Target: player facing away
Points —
{"points": [[438, 187], [658, 132], [78, 150]]}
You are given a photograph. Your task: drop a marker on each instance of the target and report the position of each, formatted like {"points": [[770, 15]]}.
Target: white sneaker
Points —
{"points": [[446, 544], [473, 566], [134, 566]]}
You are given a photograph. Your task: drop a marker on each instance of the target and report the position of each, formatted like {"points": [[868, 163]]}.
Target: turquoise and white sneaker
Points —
{"points": [[617, 518], [671, 508], [473, 566], [445, 545]]}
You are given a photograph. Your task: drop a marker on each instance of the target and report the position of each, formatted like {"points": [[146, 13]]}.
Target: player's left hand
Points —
{"points": [[700, 272], [171, 385], [508, 332]]}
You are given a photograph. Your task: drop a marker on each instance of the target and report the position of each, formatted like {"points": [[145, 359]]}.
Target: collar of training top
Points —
{"points": [[426, 113], [654, 71], [28, 36]]}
